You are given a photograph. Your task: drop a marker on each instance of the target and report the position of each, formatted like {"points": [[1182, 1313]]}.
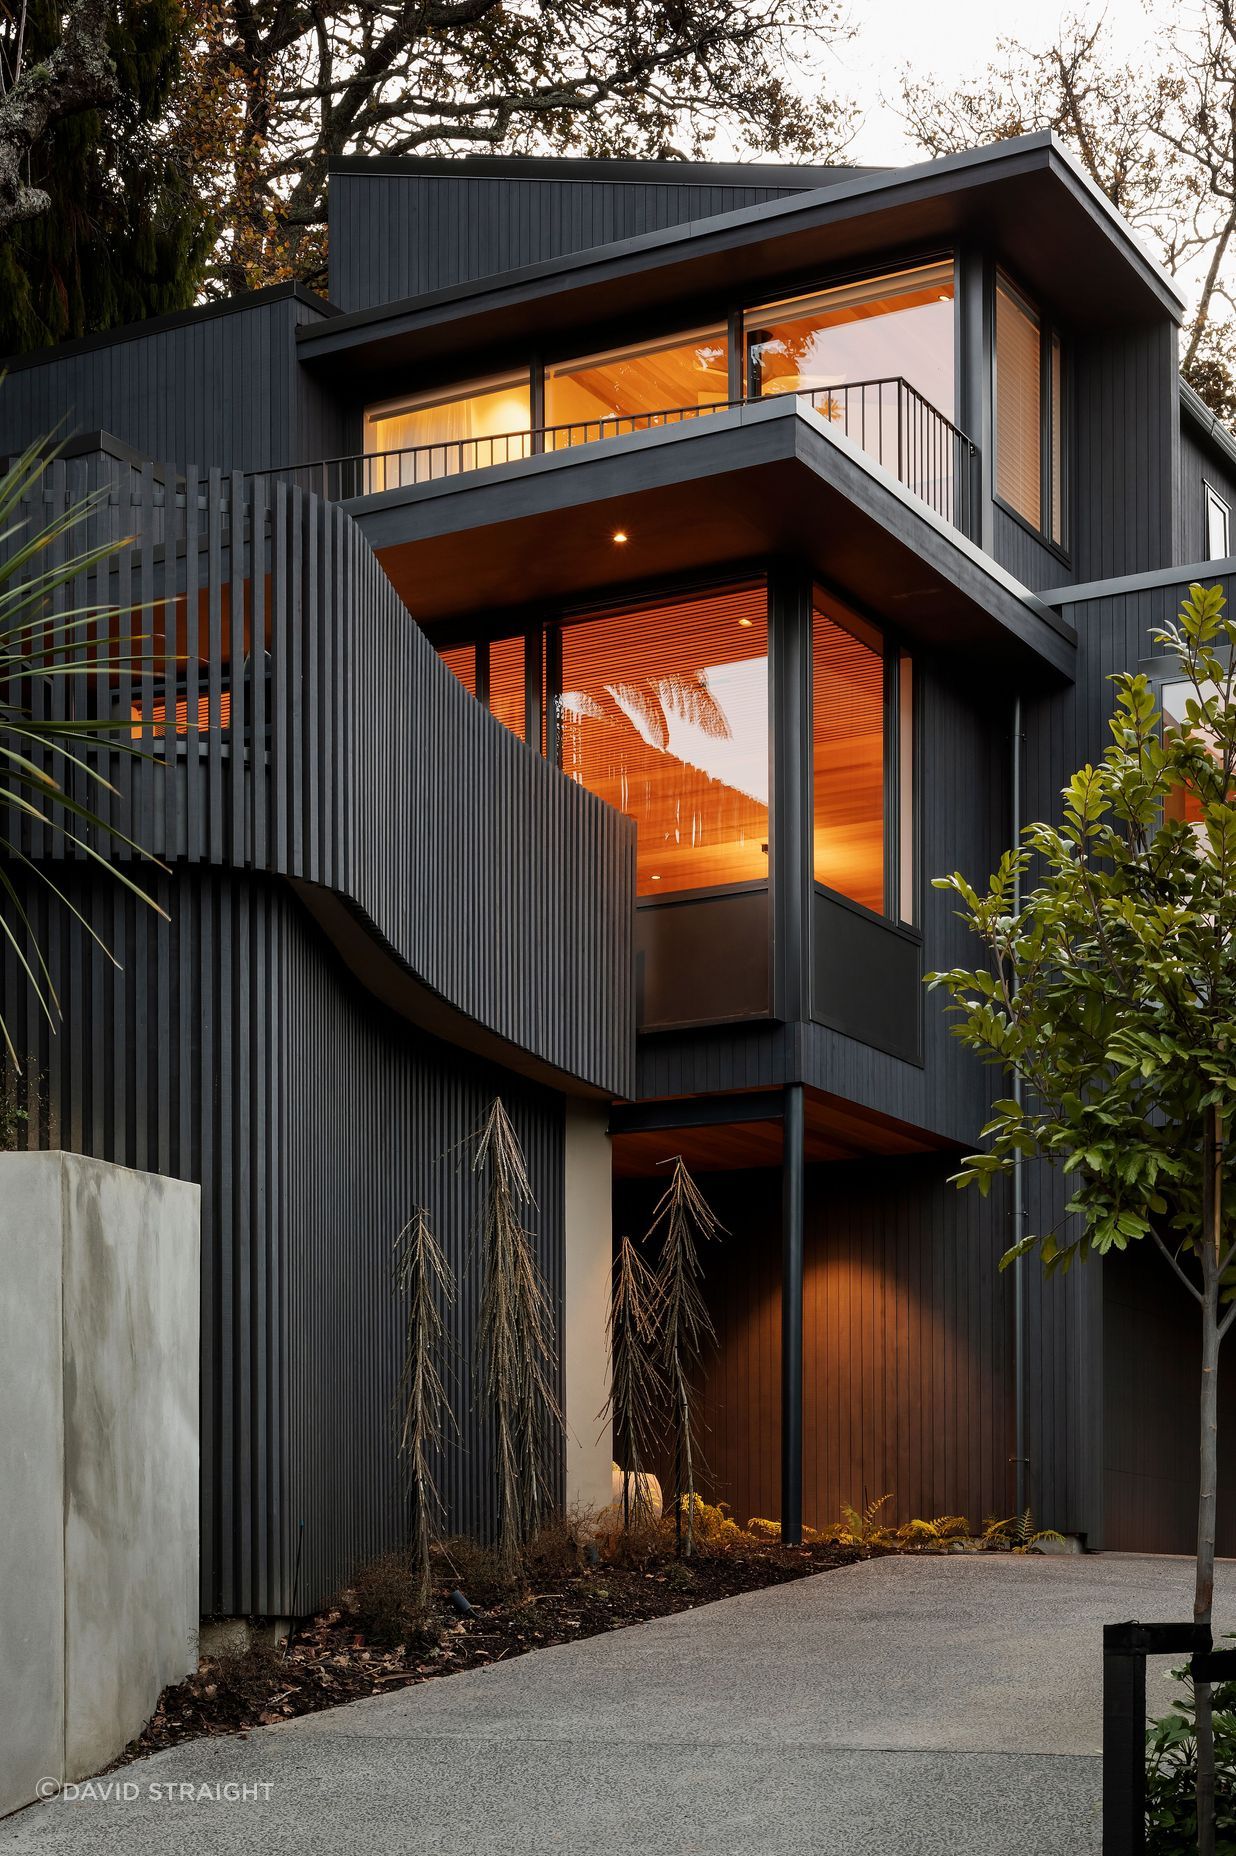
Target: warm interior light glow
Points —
{"points": [[620, 536], [848, 735], [678, 371], [486, 422], [873, 328], [664, 713]]}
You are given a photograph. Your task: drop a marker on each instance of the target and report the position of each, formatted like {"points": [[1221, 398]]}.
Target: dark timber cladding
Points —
{"points": [[402, 228], [319, 752]]}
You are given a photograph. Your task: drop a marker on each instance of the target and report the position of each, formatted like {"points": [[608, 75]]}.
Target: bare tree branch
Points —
{"points": [[78, 75]]}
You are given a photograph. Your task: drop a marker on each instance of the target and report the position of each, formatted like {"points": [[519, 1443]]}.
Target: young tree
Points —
{"points": [[423, 1282], [1159, 140], [636, 1387], [1111, 992], [515, 1340], [686, 1221], [296, 85]]}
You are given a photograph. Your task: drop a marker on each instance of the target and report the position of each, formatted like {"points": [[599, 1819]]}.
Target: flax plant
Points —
{"points": [[516, 1342], [685, 1220], [637, 1388], [43, 646], [423, 1282]]}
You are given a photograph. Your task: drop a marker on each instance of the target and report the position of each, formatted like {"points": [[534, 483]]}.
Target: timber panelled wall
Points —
{"points": [[906, 1343], [411, 229], [224, 1046]]}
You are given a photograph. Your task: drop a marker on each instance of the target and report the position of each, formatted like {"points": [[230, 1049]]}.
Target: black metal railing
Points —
{"points": [[889, 419], [892, 422]]}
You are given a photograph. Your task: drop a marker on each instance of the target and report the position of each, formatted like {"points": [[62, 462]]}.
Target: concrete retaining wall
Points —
{"points": [[99, 1325]]}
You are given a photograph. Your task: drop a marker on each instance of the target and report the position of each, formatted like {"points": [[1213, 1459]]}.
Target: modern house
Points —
{"points": [[575, 647]]}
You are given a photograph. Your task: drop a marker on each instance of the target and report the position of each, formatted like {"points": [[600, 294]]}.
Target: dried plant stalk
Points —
{"points": [[685, 1324], [637, 1389], [423, 1282], [518, 1358]]}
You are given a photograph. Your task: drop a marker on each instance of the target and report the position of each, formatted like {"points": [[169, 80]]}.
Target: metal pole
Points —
{"points": [[1021, 1502], [792, 1216]]}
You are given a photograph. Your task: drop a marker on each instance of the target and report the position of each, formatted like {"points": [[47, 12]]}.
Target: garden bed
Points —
{"points": [[371, 1640], [344, 1654]]}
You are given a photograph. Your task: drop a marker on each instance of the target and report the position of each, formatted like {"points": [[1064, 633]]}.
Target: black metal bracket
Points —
{"points": [[1125, 1649]]}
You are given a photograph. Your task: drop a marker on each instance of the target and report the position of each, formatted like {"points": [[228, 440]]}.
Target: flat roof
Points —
{"points": [[627, 169], [1026, 200]]}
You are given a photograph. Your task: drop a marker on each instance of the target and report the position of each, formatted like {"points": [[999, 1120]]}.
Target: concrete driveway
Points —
{"points": [[897, 1707]]}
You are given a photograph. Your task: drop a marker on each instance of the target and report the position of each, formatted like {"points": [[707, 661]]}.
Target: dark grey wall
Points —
{"points": [[396, 235], [222, 384], [233, 1048], [464, 874], [1200, 462]]}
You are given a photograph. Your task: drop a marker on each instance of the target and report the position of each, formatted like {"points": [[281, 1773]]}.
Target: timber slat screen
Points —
{"points": [[283, 713]]}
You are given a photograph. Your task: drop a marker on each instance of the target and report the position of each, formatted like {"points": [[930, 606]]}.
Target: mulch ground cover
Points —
{"points": [[336, 1657]]}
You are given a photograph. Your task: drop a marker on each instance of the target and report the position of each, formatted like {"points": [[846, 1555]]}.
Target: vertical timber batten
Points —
{"points": [[793, 1211]]}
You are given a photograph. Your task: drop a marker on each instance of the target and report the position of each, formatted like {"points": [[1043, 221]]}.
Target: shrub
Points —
{"points": [[1171, 1773], [559, 1548], [384, 1599], [476, 1570]]}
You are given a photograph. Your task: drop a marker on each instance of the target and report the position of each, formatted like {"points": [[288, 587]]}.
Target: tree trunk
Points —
{"points": [[1208, 1463]]}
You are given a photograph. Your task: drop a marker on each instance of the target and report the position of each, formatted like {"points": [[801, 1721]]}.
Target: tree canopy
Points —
{"points": [[114, 228], [1158, 136]]}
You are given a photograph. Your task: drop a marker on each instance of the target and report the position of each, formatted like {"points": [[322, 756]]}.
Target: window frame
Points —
{"points": [[1052, 338], [1210, 500], [901, 833], [818, 282]]}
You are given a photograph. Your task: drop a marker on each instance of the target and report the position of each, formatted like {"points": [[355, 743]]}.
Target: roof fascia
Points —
{"points": [[848, 199]]}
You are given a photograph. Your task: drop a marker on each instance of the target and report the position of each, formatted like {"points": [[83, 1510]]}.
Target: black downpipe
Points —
{"points": [[792, 1216]]}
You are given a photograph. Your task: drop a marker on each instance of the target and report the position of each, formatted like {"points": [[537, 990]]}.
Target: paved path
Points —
{"points": [[897, 1707]]}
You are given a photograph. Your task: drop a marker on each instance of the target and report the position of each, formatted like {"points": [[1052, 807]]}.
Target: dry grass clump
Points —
{"points": [[475, 1569], [384, 1598], [559, 1548], [241, 1678]]}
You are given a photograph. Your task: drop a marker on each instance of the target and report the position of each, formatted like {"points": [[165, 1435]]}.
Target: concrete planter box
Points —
{"points": [[99, 1326]]}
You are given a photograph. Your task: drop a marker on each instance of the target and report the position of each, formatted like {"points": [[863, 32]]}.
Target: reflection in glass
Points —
{"points": [[506, 683], [848, 736], [681, 371], [467, 428], [874, 329], [664, 714]]}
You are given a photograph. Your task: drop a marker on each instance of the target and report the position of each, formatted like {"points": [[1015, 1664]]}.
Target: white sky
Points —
{"points": [[953, 40]]}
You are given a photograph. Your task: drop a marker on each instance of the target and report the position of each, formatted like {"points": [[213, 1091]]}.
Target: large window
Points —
{"points": [[874, 329], [688, 371], [435, 435], [664, 713], [1029, 415], [862, 736]]}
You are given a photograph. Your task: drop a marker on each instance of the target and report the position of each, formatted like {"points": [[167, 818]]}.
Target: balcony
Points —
{"points": [[888, 419]]}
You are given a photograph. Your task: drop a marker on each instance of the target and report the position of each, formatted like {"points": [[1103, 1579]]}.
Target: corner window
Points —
{"points": [[867, 332], [663, 712], [1029, 415], [862, 762], [1218, 525]]}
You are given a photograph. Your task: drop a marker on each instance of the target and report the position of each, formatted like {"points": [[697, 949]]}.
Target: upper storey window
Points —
{"points": [[682, 371], [876, 329], [663, 712], [1218, 525], [437, 434], [1029, 415]]}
